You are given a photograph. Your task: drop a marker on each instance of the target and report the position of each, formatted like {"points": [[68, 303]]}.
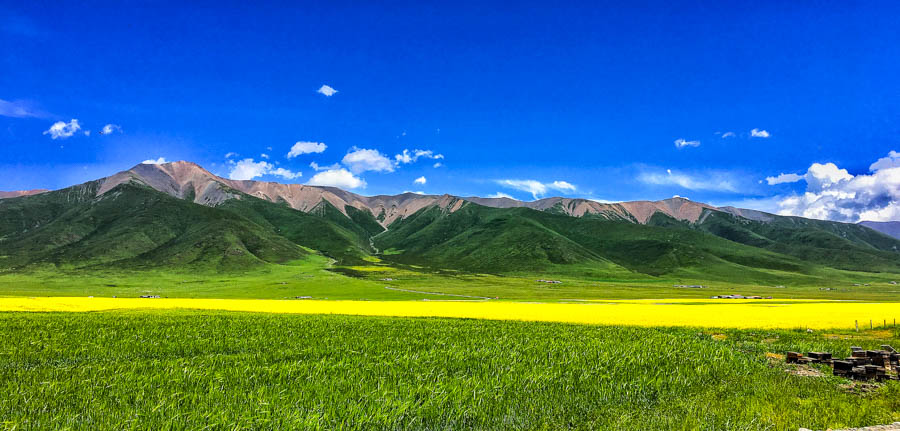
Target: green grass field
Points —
{"points": [[199, 370], [317, 276]]}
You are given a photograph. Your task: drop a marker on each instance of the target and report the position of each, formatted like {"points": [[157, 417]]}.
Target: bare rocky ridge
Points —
{"points": [[188, 180], [15, 194]]}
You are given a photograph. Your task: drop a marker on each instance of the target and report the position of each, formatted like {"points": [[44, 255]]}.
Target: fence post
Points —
{"points": [[856, 322]]}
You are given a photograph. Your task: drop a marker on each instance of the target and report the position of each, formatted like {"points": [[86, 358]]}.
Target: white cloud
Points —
{"points": [[710, 182], [891, 161], [414, 192], [756, 133], [420, 180], [18, 109], [820, 177], [158, 161], [784, 178], [437, 165], [410, 157], [305, 147], [835, 194], [286, 174], [230, 155], [501, 195], [562, 186], [404, 157], [317, 168], [359, 160], [681, 143], [327, 90], [63, 130], [264, 156], [340, 178], [728, 135], [109, 129], [537, 188], [248, 169], [87, 133]]}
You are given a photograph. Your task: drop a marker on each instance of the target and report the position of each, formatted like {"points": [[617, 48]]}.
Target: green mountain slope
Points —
{"points": [[837, 245], [496, 240], [131, 226], [482, 239], [324, 229]]}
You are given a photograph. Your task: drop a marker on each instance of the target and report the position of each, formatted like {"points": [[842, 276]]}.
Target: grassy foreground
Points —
{"points": [[219, 370]]}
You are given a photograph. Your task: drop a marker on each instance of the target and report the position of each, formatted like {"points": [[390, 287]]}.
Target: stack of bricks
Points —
{"points": [[883, 364]]}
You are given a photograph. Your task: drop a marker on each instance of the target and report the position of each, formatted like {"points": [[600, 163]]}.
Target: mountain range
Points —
{"points": [[180, 215]]}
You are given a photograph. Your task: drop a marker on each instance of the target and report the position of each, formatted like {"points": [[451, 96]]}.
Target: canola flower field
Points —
{"points": [[764, 314]]}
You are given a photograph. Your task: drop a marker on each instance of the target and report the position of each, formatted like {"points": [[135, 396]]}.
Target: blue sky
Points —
{"points": [[578, 99]]}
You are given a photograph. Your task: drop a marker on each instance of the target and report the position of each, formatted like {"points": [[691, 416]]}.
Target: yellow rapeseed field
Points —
{"points": [[655, 312]]}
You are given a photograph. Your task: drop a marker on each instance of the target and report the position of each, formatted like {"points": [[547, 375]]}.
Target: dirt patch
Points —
{"points": [[859, 388], [804, 371]]}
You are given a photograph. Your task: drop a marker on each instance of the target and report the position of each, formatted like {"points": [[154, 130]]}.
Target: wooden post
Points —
{"points": [[870, 324], [857, 325]]}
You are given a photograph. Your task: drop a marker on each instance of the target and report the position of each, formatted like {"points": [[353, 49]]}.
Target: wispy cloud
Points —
{"points": [[159, 161], [783, 178], [537, 188], [63, 130], [728, 135], [410, 157], [681, 143], [19, 109], [327, 91], [710, 182], [317, 168]]}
